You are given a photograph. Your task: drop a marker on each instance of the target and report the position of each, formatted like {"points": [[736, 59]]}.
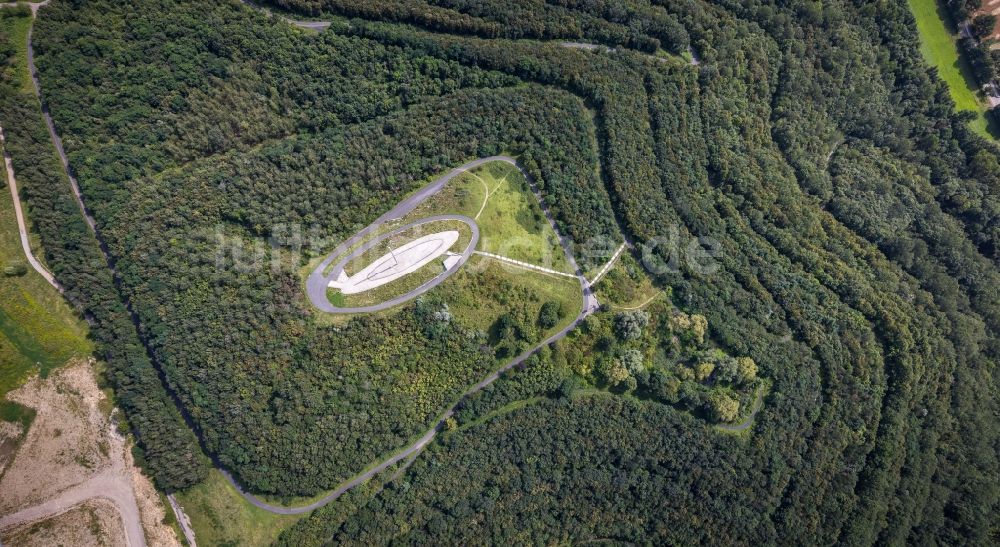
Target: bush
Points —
{"points": [[550, 314], [629, 325], [15, 269]]}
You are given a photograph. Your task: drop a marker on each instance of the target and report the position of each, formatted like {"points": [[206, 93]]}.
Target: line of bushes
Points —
{"points": [[167, 448]]}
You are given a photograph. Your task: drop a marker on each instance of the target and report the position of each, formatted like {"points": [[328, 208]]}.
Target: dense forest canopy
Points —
{"points": [[857, 218]]}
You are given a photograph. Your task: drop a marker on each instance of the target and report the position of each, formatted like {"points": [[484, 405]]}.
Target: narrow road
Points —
{"points": [[745, 424], [182, 520], [589, 306], [21, 225], [311, 25], [105, 485], [112, 483]]}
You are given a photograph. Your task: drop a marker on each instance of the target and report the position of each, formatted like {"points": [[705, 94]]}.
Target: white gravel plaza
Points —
{"points": [[397, 263]]}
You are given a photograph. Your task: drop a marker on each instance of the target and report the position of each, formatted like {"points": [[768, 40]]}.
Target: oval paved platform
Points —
{"points": [[317, 283]]}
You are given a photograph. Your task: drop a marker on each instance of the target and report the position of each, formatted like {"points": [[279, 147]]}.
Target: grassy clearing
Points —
{"points": [[464, 195], [220, 516], [940, 49], [484, 289], [626, 285], [512, 223], [38, 330]]}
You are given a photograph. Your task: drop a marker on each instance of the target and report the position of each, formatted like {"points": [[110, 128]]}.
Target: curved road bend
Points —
{"points": [[745, 424], [113, 484], [19, 214], [311, 25], [316, 284], [589, 306], [109, 485]]}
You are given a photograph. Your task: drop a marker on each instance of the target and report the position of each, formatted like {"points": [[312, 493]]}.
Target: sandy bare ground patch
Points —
{"points": [[93, 522], [73, 454], [66, 443], [10, 433]]}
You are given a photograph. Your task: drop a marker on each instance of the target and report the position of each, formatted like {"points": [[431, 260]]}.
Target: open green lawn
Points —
{"points": [[484, 289], [220, 516], [464, 195], [940, 49], [512, 224], [510, 219], [38, 330]]}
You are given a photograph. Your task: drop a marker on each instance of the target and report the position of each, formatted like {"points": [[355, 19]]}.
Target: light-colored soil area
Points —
{"points": [[10, 434], [93, 522], [73, 454], [67, 441], [151, 508]]}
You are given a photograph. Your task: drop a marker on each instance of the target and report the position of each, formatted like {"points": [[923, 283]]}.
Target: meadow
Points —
{"points": [[939, 48]]}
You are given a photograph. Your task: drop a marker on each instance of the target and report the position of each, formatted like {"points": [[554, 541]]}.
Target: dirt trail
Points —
{"points": [[73, 453], [93, 522]]}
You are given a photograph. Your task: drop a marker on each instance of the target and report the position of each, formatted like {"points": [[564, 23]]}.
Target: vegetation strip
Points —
{"points": [[21, 225]]}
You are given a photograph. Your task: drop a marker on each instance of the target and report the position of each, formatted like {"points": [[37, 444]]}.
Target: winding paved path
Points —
{"points": [[21, 225], [745, 424]]}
